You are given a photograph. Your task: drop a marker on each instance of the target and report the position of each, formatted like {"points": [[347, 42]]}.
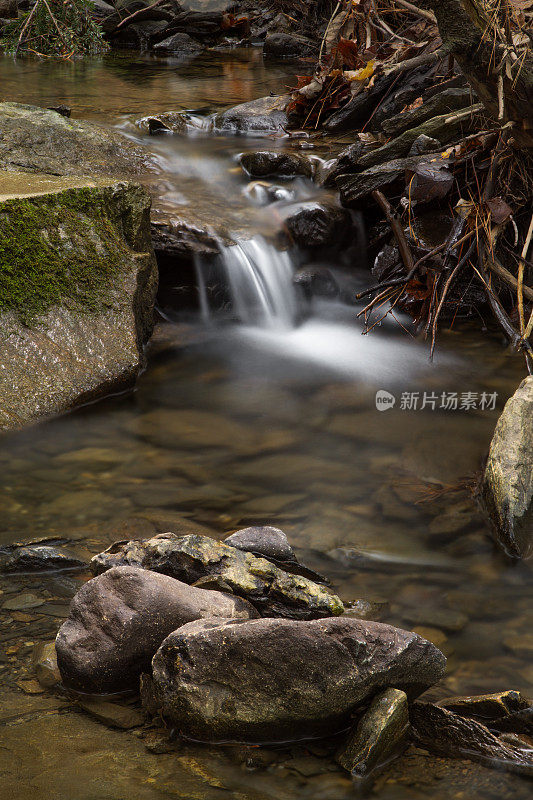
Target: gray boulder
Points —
{"points": [[260, 117], [272, 590], [118, 620], [40, 140], [507, 489], [274, 680]]}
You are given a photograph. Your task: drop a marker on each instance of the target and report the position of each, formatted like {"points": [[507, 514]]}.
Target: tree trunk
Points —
{"points": [[462, 26]]}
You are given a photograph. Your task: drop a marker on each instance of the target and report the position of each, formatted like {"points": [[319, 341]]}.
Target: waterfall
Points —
{"points": [[259, 280]]}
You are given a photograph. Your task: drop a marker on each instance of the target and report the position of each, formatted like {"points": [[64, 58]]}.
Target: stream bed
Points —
{"points": [[234, 424]]}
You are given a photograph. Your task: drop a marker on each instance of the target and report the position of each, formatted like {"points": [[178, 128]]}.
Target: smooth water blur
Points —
{"points": [[233, 425]]}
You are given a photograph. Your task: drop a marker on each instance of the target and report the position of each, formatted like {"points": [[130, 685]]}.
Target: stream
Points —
{"points": [[260, 410]]}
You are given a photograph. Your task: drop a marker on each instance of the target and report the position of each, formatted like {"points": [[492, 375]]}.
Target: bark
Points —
{"points": [[462, 25]]}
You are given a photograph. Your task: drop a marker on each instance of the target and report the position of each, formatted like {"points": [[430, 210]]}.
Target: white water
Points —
{"points": [[269, 308], [259, 278]]}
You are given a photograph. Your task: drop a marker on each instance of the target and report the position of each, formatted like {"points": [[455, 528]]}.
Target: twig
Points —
{"points": [[137, 13], [420, 12], [520, 282], [499, 270], [407, 278], [417, 61], [447, 285], [398, 231]]}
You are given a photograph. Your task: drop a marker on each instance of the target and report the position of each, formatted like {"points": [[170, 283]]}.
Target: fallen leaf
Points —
{"points": [[499, 209]]}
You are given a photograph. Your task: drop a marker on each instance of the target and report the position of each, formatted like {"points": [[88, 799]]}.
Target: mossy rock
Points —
{"points": [[77, 288]]}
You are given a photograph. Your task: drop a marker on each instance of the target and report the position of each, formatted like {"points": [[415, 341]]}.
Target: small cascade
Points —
{"points": [[259, 281]]}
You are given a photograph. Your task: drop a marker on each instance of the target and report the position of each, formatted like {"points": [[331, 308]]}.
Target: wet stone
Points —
{"points": [[269, 680], [447, 734], [23, 601], [266, 163], [112, 714], [490, 709], [45, 667], [520, 645], [263, 541], [118, 620], [268, 587], [378, 735], [445, 619]]}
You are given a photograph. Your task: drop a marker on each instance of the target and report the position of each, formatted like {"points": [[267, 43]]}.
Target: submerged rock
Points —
{"points": [[44, 660], [270, 589], [118, 620], [263, 116], [378, 735], [273, 680], [73, 329], [507, 489], [112, 714], [447, 734], [40, 558]]}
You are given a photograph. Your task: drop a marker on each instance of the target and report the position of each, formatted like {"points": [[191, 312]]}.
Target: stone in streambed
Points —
{"points": [[272, 590], [45, 667], [41, 558], [263, 541], [507, 489], [505, 711], [261, 117], [112, 714], [378, 735], [73, 330], [273, 544], [180, 44], [40, 140], [287, 45], [445, 733], [266, 163], [275, 679], [118, 620]]}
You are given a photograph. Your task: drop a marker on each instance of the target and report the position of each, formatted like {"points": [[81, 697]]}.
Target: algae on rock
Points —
{"points": [[77, 288]]}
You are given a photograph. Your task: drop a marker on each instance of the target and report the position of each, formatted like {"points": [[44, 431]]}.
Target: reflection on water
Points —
{"points": [[124, 83], [232, 426]]}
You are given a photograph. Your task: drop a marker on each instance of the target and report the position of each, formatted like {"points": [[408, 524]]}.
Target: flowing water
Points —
{"points": [[259, 409]]}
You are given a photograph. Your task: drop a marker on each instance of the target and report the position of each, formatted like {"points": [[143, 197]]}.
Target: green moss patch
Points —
{"points": [[59, 249]]}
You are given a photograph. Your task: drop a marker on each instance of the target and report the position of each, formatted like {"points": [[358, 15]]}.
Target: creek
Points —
{"points": [[260, 408]]}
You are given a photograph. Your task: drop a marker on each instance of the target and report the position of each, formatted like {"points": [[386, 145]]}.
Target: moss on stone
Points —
{"points": [[60, 248]]}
